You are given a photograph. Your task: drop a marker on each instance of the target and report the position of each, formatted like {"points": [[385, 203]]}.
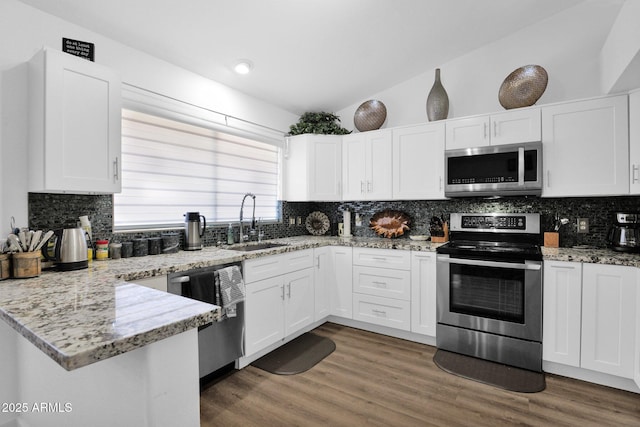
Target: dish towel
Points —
{"points": [[231, 289]]}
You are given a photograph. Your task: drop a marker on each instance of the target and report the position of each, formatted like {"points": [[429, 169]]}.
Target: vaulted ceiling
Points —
{"points": [[306, 54]]}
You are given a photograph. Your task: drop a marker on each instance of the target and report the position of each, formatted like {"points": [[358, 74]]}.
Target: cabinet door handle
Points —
{"points": [[369, 186], [485, 130], [495, 128], [289, 290], [116, 172], [282, 288], [380, 313], [440, 188], [361, 187], [634, 174]]}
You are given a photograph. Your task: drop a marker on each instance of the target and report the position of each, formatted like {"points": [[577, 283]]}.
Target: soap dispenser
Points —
{"points": [[230, 239]]}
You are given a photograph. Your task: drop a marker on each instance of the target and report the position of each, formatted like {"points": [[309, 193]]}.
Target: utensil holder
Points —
{"points": [[551, 239], [26, 264], [5, 266]]}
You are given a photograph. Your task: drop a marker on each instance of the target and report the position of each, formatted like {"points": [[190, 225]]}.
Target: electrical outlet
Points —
{"points": [[583, 225], [292, 221], [299, 220]]}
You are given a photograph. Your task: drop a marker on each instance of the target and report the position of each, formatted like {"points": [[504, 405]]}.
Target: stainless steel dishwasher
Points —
{"points": [[219, 343]]}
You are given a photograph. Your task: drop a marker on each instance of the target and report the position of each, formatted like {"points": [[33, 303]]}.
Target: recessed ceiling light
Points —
{"points": [[243, 66]]}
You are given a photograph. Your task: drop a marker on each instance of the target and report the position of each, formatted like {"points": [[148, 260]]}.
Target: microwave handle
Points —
{"points": [[482, 263], [521, 166]]}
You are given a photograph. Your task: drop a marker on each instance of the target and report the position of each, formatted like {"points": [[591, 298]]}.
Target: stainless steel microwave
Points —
{"points": [[496, 170]]}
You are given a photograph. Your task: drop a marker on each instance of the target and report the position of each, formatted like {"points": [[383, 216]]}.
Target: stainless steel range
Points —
{"points": [[489, 289]]}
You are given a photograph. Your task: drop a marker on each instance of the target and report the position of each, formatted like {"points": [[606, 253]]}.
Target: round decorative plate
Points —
{"points": [[390, 223], [523, 87], [370, 115], [317, 223]]}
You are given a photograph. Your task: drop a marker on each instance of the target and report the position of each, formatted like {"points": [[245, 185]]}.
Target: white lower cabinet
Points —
{"points": [[591, 316], [322, 282], [264, 314], [423, 293], [341, 259], [562, 312], [609, 319], [382, 311], [277, 306], [382, 287]]}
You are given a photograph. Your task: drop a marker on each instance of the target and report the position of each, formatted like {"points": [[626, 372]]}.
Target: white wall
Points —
{"points": [[620, 55], [24, 30], [567, 45]]}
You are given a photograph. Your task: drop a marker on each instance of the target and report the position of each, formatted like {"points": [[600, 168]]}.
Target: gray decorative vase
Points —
{"points": [[437, 101]]}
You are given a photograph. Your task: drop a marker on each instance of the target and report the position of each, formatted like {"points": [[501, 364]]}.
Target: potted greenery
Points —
{"points": [[321, 122]]}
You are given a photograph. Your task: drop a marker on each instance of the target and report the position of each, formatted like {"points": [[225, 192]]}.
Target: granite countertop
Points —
{"points": [[81, 317], [591, 255]]}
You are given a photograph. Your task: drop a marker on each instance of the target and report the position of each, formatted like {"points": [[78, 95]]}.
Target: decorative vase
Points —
{"points": [[437, 101]]}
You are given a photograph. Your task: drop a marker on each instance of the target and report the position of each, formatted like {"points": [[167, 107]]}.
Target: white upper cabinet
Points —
{"points": [[313, 168], [418, 162], [586, 148], [75, 125], [366, 166], [634, 142], [520, 125]]}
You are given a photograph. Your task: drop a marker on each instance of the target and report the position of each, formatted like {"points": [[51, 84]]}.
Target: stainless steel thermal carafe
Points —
{"points": [[193, 230]]}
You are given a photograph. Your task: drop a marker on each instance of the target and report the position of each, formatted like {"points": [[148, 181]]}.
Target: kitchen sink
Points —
{"points": [[246, 247]]}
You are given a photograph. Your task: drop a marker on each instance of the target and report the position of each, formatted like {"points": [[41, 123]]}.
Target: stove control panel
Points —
{"points": [[495, 222]]}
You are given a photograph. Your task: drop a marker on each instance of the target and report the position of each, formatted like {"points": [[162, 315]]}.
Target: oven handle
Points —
{"points": [[481, 263]]}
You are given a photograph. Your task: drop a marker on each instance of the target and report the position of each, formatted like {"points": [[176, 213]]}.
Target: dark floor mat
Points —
{"points": [[495, 374], [296, 356]]}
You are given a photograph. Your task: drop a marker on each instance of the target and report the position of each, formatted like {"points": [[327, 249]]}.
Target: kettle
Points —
{"points": [[193, 230], [624, 234], [70, 249]]}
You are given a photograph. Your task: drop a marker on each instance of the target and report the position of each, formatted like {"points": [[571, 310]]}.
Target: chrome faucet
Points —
{"points": [[252, 230]]}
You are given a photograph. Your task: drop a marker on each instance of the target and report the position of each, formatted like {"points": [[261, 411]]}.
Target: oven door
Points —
{"points": [[496, 297]]}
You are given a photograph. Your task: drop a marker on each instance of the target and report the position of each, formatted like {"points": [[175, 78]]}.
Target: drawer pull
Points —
{"points": [[379, 313], [380, 284], [379, 258]]}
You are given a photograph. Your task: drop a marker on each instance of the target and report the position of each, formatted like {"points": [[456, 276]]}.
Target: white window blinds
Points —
{"points": [[170, 167]]}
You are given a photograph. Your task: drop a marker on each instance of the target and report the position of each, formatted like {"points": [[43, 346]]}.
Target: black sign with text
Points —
{"points": [[79, 48]]}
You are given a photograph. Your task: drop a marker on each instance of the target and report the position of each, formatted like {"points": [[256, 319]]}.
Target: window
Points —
{"points": [[170, 167]]}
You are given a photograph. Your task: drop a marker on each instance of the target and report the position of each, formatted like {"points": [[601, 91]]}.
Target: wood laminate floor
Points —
{"points": [[375, 380]]}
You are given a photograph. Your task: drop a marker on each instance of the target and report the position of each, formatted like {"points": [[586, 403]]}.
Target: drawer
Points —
{"points": [[382, 282], [382, 311], [387, 258], [262, 268], [276, 265], [298, 260]]}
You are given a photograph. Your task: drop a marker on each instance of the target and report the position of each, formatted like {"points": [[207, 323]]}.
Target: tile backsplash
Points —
{"points": [[50, 211]]}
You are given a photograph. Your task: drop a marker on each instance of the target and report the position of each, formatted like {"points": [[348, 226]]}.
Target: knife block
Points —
{"points": [[442, 239], [551, 240]]}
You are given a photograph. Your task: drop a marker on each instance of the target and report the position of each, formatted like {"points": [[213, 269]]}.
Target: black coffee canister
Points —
{"points": [[140, 247], [155, 245], [127, 249]]}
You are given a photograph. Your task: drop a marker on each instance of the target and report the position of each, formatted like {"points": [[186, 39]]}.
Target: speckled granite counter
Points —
{"points": [[81, 317], [595, 256]]}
